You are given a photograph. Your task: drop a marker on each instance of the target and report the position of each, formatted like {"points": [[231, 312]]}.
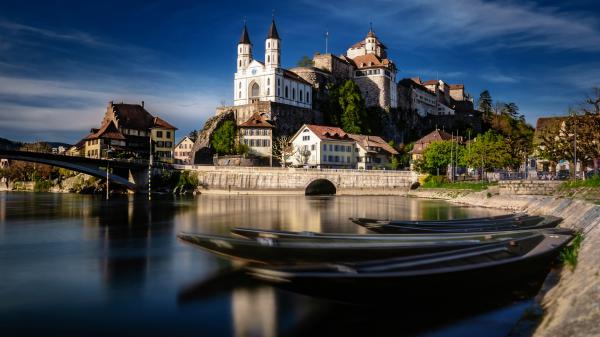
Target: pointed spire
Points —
{"points": [[273, 31], [371, 32], [245, 38]]}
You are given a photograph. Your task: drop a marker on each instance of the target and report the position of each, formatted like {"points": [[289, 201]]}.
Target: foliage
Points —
{"points": [[404, 154], [394, 163], [241, 148], [484, 104], [594, 181], [283, 150], [302, 155], [193, 135], [489, 151], [42, 185], [305, 61], [515, 131], [353, 111], [438, 155], [570, 253], [223, 139], [442, 182], [187, 180]]}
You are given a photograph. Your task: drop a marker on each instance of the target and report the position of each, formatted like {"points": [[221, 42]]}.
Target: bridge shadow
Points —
{"points": [[320, 187]]}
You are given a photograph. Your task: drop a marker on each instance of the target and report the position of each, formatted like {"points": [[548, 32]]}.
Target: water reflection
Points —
{"points": [[254, 312]]}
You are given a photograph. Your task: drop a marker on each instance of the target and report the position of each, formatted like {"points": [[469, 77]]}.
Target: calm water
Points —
{"points": [[78, 265]]}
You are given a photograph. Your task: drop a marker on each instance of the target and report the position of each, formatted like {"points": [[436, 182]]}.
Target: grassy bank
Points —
{"points": [[591, 182], [441, 182]]}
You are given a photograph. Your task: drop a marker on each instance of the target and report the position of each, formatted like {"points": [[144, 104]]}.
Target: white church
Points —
{"points": [[256, 81]]}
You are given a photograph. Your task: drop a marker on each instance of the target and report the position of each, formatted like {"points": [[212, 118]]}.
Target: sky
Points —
{"points": [[61, 62]]}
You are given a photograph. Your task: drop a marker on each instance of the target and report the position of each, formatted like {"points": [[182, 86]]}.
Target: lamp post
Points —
{"points": [[108, 152], [150, 165]]}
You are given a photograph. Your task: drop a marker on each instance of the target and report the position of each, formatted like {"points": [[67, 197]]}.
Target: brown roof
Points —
{"points": [[161, 123], [436, 135], [108, 131], [371, 60], [273, 31], [328, 132], [245, 38], [456, 86], [256, 121], [373, 141]]}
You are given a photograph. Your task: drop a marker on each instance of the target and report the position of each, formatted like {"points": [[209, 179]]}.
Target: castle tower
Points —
{"points": [[371, 42], [244, 50], [272, 48]]}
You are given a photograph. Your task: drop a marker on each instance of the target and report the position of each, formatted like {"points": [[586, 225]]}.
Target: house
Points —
{"points": [[323, 147], [129, 130], [257, 134], [182, 151], [373, 152], [421, 144]]}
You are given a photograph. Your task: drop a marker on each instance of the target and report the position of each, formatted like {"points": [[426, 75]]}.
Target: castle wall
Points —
{"points": [[375, 90], [339, 69]]}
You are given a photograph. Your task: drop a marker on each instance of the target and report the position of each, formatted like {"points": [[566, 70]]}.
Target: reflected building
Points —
{"points": [[254, 312]]}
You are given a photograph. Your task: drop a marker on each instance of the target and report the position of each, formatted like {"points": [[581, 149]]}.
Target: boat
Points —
{"points": [[254, 233], [533, 223], [497, 218], [523, 220], [484, 269], [272, 250]]}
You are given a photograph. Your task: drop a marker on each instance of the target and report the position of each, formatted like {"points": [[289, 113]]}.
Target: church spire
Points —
{"points": [[245, 38], [273, 31]]}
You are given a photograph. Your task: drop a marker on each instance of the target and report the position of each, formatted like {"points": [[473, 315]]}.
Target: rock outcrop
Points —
{"points": [[202, 152]]}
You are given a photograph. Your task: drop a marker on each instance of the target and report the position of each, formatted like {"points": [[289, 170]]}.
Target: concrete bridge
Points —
{"points": [[131, 174], [301, 181]]}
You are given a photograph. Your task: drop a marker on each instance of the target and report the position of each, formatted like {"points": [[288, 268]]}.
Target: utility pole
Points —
{"points": [[575, 148]]}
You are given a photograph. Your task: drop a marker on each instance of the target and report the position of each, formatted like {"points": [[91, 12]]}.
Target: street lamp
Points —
{"points": [[150, 165], [108, 152]]}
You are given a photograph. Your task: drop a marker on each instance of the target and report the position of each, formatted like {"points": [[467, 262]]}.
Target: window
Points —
{"points": [[293, 93], [268, 81], [305, 137], [330, 158], [268, 44], [286, 91], [268, 91], [300, 95], [324, 147], [313, 147], [337, 148], [268, 58], [330, 147], [255, 90], [168, 134], [307, 98], [337, 159], [240, 95], [324, 158], [251, 142], [159, 134], [348, 149], [240, 85], [347, 159]]}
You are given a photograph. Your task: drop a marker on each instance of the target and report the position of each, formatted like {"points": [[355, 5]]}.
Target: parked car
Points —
{"points": [[563, 175]]}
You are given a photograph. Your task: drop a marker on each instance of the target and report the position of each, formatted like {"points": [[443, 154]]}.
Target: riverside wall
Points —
{"points": [[295, 180], [572, 306]]}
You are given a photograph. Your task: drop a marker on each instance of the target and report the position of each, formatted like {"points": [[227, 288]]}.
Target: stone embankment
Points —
{"points": [[572, 306]]}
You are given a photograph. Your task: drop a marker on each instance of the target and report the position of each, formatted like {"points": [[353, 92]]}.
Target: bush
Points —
{"points": [[569, 254], [42, 185]]}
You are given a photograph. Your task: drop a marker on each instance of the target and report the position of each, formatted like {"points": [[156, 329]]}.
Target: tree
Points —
{"points": [[489, 150], [302, 155], [223, 139], [517, 134], [484, 104], [193, 135], [439, 154], [283, 150], [511, 109], [352, 107], [394, 163], [305, 61]]}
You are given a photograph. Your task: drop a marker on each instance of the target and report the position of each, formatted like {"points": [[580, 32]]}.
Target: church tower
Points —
{"points": [[371, 42], [272, 47], [244, 50]]}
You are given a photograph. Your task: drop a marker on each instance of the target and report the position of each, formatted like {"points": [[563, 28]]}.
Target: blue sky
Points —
{"points": [[62, 61]]}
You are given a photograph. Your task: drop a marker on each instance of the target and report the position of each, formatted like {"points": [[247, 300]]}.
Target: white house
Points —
{"points": [[257, 134], [257, 81], [323, 147], [373, 152], [182, 151]]}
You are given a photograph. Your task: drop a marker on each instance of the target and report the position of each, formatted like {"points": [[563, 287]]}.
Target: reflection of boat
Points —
{"points": [[269, 250], [220, 283], [254, 233], [529, 223], [467, 271]]}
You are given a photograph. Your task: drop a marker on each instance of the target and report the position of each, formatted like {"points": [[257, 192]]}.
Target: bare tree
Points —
{"points": [[283, 150], [303, 155]]}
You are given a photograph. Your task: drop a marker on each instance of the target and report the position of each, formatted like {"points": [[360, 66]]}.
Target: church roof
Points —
{"points": [[245, 38], [273, 31]]}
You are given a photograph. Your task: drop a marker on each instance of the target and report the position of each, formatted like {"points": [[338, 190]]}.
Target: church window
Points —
{"points": [[307, 98], [286, 91], [240, 94], [300, 95], [268, 91], [293, 93], [240, 63], [240, 85], [255, 90], [268, 81], [268, 44], [268, 58]]}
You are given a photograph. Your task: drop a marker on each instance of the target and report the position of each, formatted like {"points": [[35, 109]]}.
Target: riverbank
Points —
{"points": [[571, 307]]}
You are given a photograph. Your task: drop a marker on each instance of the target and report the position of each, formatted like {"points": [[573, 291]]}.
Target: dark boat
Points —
{"points": [[268, 250], [255, 233], [523, 220], [526, 224], [482, 269], [497, 218]]}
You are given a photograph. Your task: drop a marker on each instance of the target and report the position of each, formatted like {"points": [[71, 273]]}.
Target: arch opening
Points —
{"points": [[320, 187]]}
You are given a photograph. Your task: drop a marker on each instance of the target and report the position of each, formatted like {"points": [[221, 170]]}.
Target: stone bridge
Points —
{"points": [[301, 181]]}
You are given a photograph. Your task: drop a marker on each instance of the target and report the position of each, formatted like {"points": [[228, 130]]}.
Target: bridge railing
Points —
{"points": [[136, 161], [281, 169]]}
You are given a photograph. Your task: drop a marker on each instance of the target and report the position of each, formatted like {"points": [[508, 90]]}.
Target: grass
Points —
{"points": [[569, 254], [463, 185], [594, 181]]}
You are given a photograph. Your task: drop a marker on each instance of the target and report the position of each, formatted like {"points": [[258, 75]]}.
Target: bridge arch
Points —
{"points": [[320, 186]]}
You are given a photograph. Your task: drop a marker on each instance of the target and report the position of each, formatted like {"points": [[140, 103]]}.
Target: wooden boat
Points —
{"points": [[527, 224], [254, 233], [482, 269], [269, 250], [497, 218], [523, 220]]}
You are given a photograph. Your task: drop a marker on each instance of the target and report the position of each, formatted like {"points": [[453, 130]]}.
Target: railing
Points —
{"points": [[138, 161], [281, 169]]}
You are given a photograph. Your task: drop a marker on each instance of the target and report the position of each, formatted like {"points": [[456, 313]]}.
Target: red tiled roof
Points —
{"points": [[373, 141], [256, 121], [436, 135], [161, 123], [328, 132], [108, 131], [371, 60]]}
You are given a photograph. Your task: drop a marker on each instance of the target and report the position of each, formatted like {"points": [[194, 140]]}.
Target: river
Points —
{"points": [[78, 265]]}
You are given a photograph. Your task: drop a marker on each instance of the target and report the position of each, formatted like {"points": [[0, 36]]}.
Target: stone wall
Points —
{"points": [[295, 181], [339, 69], [528, 187], [375, 90]]}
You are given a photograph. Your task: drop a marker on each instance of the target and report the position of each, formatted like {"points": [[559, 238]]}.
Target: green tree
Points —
{"points": [[484, 104], [516, 132], [193, 135], [305, 61], [223, 139], [489, 151], [352, 104], [333, 110], [439, 154]]}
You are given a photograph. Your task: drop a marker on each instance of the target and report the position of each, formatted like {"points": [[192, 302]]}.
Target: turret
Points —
{"points": [[272, 47], [244, 50], [371, 42]]}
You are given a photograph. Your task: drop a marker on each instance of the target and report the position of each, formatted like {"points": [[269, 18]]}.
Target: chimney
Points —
{"points": [[142, 104]]}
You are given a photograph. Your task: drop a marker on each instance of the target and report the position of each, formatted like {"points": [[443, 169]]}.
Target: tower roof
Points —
{"points": [[245, 38], [273, 31], [371, 33]]}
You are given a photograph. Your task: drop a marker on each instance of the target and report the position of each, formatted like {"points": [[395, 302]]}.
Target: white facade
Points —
{"points": [[182, 151], [258, 140], [443, 110], [256, 81], [423, 102], [314, 151]]}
